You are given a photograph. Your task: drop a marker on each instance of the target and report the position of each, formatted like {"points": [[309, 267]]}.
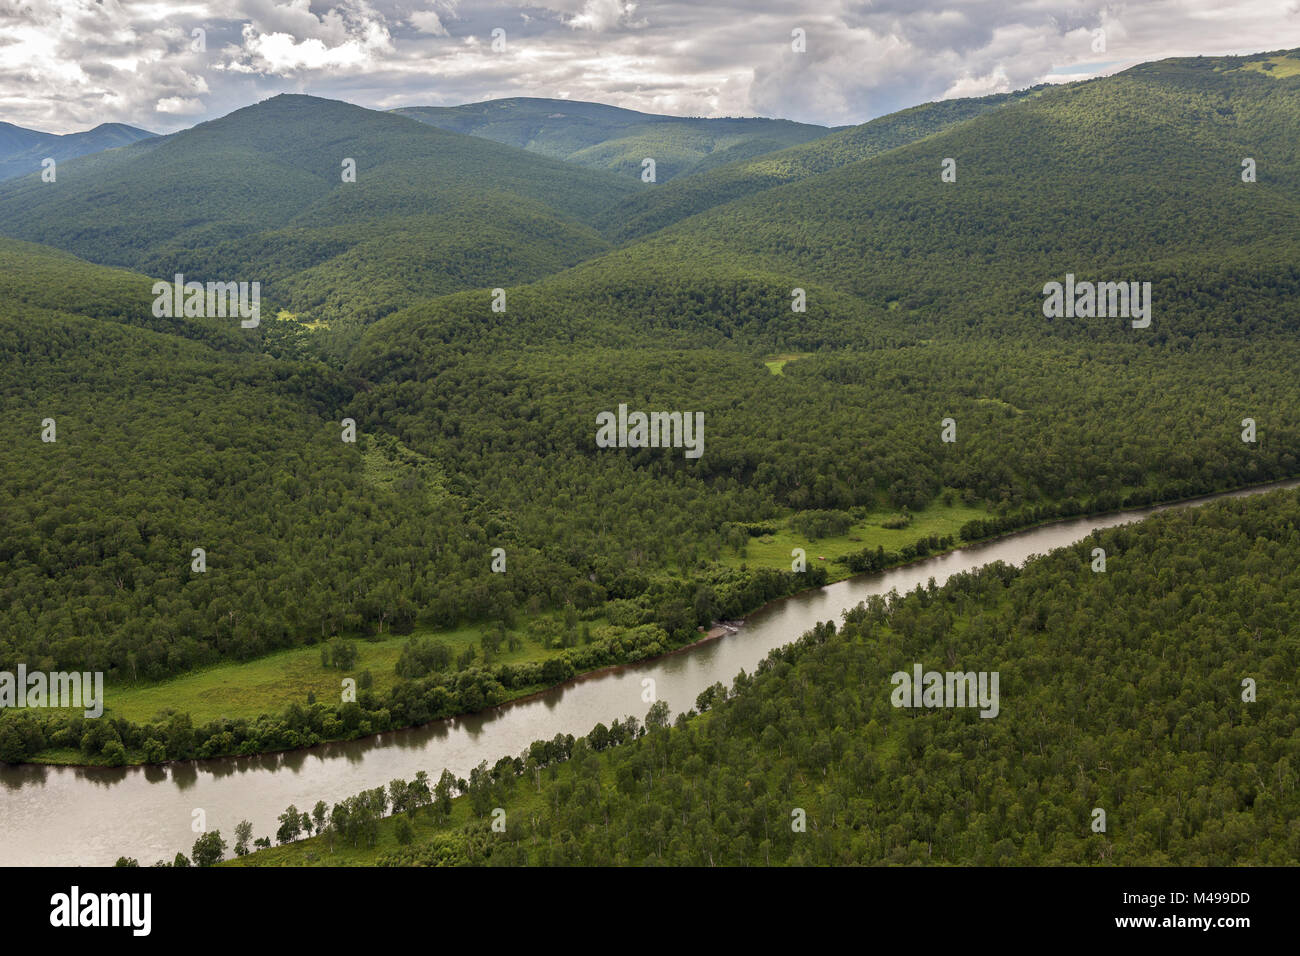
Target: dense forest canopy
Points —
{"points": [[708, 186]]}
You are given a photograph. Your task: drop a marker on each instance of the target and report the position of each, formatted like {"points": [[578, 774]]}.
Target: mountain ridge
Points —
{"points": [[600, 136], [263, 190], [22, 150]]}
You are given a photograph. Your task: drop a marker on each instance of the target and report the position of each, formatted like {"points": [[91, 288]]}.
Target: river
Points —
{"points": [[92, 815]]}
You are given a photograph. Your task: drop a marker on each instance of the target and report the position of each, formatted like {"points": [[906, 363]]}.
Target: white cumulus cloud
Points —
{"points": [[69, 64]]}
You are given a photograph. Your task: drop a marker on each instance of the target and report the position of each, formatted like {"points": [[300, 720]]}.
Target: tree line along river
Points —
{"points": [[93, 815]]}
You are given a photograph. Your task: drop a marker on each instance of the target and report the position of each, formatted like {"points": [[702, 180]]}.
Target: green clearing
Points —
{"points": [[269, 684], [777, 364], [1275, 66], [773, 550], [999, 403], [266, 685]]}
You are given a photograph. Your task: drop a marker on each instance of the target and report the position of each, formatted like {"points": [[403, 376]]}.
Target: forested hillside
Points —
{"points": [[176, 434], [22, 151], [1124, 692], [705, 188], [924, 302], [1136, 176], [166, 440], [618, 140], [260, 195]]}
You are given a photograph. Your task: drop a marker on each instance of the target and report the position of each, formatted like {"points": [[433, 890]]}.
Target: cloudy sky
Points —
{"points": [[70, 64]]}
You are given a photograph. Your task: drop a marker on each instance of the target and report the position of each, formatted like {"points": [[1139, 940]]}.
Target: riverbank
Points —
{"points": [[363, 729], [262, 689], [89, 816], [603, 793]]}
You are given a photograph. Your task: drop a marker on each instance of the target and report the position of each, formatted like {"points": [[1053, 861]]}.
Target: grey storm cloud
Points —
{"points": [[69, 64]]}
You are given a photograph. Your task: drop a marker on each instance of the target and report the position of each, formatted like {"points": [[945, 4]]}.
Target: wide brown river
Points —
{"points": [[74, 815]]}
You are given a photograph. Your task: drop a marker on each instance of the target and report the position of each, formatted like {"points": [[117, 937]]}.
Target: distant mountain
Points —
{"points": [[608, 137], [1136, 175], [260, 195], [22, 150], [1127, 177], [708, 186], [14, 138]]}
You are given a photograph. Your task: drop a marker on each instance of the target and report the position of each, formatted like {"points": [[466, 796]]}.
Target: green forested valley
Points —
{"points": [[259, 195], [472, 303]]}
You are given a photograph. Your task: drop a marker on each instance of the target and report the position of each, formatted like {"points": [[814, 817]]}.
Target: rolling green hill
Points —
{"points": [[258, 196], [23, 150], [710, 185], [171, 435], [37, 281], [614, 139], [1135, 176], [1131, 177]]}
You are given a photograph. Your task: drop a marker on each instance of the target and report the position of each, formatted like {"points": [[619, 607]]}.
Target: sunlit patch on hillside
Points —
{"points": [[776, 365], [1274, 66]]}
